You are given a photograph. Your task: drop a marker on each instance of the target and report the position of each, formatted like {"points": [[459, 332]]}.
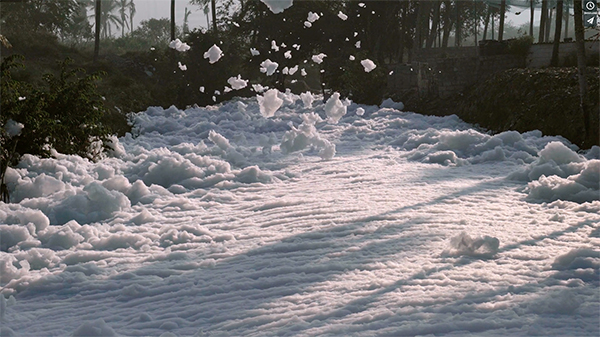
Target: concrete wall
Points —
{"points": [[540, 54], [443, 72]]}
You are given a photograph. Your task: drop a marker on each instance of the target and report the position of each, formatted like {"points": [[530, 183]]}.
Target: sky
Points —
{"points": [[157, 9]]}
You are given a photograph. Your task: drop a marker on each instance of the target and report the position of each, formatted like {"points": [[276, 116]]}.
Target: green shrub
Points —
{"points": [[65, 114], [520, 46]]}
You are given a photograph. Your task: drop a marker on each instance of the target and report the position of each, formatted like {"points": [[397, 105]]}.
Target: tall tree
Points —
{"points": [[186, 27], [502, 15], [172, 20], [557, 31], [486, 22], [213, 7], [122, 12], [543, 16], [457, 35], [581, 63], [566, 16], [434, 25], [548, 24], [108, 17], [97, 16], [132, 12], [531, 15]]}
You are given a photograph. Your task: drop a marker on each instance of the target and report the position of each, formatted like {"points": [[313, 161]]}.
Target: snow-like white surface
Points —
{"points": [[217, 221], [213, 54], [179, 46], [368, 65], [389, 103]]}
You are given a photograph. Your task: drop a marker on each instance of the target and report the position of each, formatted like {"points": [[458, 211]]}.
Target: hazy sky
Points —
{"points": [[147, 9], [157, 9]]}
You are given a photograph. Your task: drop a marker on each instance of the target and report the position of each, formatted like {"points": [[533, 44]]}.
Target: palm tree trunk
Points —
{"points": [[213, 9], [502, 14], [557, 31], [566, 16], [493, 21], [97, 30], [485, 25], [581, 63], [531, 17], [457, 35], [548, 24], [543, 20], [447, 24], [172, 20], [435, 25]]}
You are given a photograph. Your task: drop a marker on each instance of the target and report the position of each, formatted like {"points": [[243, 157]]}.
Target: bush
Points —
{"points": [[65, 114], [520, 46]]}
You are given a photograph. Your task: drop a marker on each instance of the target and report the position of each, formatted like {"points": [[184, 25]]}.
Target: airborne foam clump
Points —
{"points": [[335, 109], [278, 6], [306, 135], [318, 59], [312, 17], [213, 54], [13, 128], [342, 16], [183, 67], [269, 67], [269, 103], [254, 52], [237, 83], [259, 88], [179, 46], [368, 65]]}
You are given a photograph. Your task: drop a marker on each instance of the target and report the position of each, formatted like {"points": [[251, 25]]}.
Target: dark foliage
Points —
{"points": [[66, 114]]}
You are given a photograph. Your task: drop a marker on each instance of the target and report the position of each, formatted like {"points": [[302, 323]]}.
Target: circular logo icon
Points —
{"points": [[590, 5]]}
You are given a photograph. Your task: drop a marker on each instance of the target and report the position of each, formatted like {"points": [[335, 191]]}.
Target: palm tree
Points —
{"points": [[213, 5], [531, 14], [97, 14], [557, 31], [109, 18], [502, 14], [132, 12], [543, 17], [186, 27], [172, 20], [122, 8]]}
